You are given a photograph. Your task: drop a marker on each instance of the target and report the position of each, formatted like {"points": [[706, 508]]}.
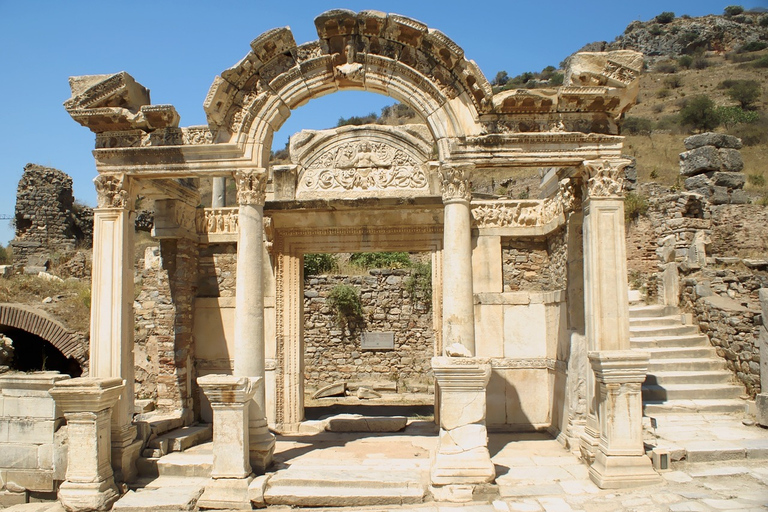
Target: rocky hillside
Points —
{"points": [[668, 36]]}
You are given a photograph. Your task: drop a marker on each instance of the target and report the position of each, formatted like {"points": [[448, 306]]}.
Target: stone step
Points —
{"points": [[339, 487], [682, 353], [685, 364], [670, 330], [177, 496], [693, 340], [689, 377], [179, 440], [729, 406], [189, 463], [657, 321], [649, 311], [698, 391]]}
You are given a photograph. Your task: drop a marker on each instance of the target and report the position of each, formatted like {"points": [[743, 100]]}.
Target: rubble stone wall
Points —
{"points": [[47, 217], [217, 270], [334, 353], [535, 265]]}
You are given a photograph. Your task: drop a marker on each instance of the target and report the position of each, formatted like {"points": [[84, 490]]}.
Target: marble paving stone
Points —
{"points": [[555, 505], [524, 506]]}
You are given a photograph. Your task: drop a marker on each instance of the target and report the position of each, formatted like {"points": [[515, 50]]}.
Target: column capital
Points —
{"points": [[226, 390], [619, 366], [251, 186], [454, 182], [114, 191], [569, 194], [604, 177]]}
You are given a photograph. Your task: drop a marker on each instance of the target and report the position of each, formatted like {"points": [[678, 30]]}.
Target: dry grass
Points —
{"points": [[70, 299]]}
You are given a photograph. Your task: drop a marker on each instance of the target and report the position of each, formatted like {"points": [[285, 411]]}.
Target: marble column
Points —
{"points": [[458, 296], [249, 308], [231, 474], [620, 460], [87, 403], [219, 192], [606, 306], [462, 460], [111, 342]]}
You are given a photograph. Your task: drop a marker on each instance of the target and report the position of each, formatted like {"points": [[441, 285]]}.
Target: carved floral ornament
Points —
{"points": [[251, 187], [112, 190], [454, 182], [605, 178]]}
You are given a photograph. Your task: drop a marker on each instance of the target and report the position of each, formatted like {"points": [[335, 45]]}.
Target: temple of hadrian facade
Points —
{"points": [[557, 359]]}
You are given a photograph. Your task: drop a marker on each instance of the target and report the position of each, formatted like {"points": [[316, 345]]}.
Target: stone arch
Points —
{"points": [[371, 51], [40, 323]]}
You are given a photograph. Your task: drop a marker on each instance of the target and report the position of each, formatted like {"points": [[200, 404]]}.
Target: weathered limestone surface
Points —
{"points": [[462, 456], [713, 166], [762, 398], [87, 404]]}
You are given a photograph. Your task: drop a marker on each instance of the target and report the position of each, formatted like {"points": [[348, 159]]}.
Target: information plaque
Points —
{"points": [[378, 340]]}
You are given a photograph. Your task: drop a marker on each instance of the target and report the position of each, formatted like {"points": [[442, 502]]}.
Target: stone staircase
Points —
{"points": [[685, 374]]}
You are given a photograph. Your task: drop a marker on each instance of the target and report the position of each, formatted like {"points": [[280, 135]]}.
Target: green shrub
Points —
{"points": [[753, 46], [663, 93], [758, 180], [729, 116], [764, 21], [637, 126], [556, 80], [655, 30], [6, 255], [762, 62], [635, 205], [733, 10], [687, 38], [316, 264], [666, 67], [745, 92], [665, 17], [685, 61], [673, 82], [700, 62], [369, 260], [358, 120], [699, 113], [344, 301], [419, 284]]}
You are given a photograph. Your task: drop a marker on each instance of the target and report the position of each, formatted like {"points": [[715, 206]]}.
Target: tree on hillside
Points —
{"points": [[665, 17], [733, 10], [745, 92], [699, 113], [501, 78]]}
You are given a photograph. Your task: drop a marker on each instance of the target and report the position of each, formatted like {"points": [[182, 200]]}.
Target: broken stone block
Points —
{"points": [[719, 196], [700, 181], [359, 423], [367, 393], [730, 160], [738, 196], [699, 160], [719, 140], [725, 179], [335, 389]]}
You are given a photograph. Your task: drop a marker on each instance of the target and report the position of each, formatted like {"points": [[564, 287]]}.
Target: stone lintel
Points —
{"points": [[461, 373], [619, 366]]}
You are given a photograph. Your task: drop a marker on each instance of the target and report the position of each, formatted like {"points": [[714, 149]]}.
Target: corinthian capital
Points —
{"points": [[605, 177], [251, 187], [454, 182], [112, 190]]}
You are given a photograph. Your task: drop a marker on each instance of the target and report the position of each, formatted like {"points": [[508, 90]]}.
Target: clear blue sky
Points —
{"points": [[177, 48]]}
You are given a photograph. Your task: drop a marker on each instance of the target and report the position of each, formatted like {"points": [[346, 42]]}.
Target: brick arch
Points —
{"points": [[40, 323], [387, 54]]}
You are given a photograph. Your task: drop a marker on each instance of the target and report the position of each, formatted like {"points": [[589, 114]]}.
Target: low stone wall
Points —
{"points": [[334, 354], [33, 447], [726, 306]]}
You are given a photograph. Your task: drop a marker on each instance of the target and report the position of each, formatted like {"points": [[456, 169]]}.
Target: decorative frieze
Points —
{"points": [[510, 213], [251, 187], [216, 220]]}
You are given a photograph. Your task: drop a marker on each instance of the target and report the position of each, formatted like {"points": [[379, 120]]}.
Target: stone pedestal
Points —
{"points": [[87, 406], [462, 460], [230, 399], [249, 357], [620, 460]]}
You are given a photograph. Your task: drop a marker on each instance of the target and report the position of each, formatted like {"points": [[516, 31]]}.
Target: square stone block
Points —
{"points": [[32, 431], [18, 456], [29, 407], [31, 480], [525, 333]]}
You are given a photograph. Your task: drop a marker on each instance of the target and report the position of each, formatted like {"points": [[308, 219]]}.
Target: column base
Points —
{"points": [[124, 459], [463, 468], [761, 403], [588, 444], [622, 471], [226, 493], [86, 496], [261, 446], [452, 493]]}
